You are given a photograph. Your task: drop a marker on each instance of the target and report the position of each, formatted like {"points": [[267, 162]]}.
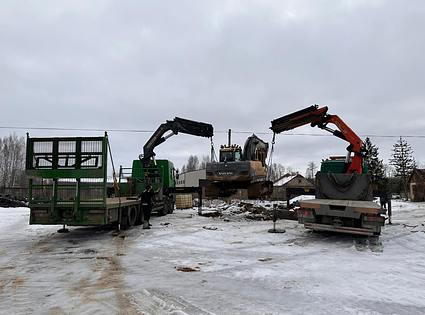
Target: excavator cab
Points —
{"points": [[231, 153]]}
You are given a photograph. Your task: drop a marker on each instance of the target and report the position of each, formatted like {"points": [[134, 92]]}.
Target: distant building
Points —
{"points": [[191, 179], [293, 180], [417, 185]]}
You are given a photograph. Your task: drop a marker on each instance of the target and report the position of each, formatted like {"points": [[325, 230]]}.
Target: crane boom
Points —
{"points": [[175, 126], [318, 117]]}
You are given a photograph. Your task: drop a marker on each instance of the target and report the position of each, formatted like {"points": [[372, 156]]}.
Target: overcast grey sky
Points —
{"points": [[237, 65]]}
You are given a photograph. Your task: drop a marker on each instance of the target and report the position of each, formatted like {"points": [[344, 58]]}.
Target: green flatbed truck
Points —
{"points": [[68, 179]]}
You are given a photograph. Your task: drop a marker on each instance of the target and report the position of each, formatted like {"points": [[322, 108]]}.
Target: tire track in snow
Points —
{"points": [[155, 302]]}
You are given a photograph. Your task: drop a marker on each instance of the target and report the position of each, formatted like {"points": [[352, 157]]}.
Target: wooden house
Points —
{"points": [[417, 185], [294, 180]]}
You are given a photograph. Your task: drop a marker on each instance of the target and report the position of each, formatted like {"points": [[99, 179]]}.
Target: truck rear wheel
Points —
{"points": [[131, 216], [163, 210], [170, 205]]}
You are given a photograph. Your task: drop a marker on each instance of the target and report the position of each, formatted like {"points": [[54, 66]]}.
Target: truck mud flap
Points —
{"points": [[341, 229]]}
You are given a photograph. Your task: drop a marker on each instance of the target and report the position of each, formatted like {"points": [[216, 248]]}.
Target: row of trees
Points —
{"points": [[193, 163], [12, 161]]}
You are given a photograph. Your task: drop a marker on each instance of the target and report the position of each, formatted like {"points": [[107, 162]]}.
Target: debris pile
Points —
{"points": [[245, 210], [8, 201], [241, 210]]}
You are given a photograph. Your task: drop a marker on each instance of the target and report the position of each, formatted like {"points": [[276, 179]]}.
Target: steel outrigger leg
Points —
{"points": [[117, 232], [274, 230], [63, 230]]}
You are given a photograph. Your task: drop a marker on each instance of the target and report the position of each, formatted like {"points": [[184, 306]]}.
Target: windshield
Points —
{"points": [[226, 156], [230, 156]]}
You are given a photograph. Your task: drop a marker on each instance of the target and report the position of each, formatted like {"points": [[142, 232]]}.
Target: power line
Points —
{"points": [[216, 131], [76, 129]]}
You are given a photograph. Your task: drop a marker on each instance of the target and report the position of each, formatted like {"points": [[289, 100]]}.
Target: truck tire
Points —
{"points": [[170, 206], [170, 203], [131, 216], [163, 210]]}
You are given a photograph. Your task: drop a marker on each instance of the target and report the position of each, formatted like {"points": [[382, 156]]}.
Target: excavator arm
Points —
{"points": [[318, 117], [175, 126], [255, 149]]}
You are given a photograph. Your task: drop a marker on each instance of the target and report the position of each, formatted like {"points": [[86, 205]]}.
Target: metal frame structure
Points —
{"points": [[68, 180]]}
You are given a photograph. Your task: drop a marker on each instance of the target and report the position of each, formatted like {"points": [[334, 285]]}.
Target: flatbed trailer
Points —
{"points": [[68, 184], [88, 213]]}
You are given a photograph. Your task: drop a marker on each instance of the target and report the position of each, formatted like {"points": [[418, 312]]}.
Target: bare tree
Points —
{"points": [[276, 171], [192, 163], [311, 170], [290, 169], [12, 160], [205, 160]]}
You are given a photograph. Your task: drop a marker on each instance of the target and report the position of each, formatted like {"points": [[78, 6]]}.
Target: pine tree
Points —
{"points": [[403, 162], [374, 164]]}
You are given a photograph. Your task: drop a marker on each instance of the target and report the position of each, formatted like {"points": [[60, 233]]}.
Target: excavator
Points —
{"points": [[239, 168], [343, 191]]}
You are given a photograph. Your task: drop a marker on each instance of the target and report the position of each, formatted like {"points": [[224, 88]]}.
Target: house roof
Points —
{"points": [[284, 179], [419, 172]]}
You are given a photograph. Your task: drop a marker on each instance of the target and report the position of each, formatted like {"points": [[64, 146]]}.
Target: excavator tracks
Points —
{"points": [[257, 190], [260, 190]]}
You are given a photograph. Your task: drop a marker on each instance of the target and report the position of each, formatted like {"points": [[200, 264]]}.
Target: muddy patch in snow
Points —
{"points": [[188, 269]]}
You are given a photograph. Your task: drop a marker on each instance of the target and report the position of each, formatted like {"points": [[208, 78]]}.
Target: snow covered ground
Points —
{"points": [[192, 264]]}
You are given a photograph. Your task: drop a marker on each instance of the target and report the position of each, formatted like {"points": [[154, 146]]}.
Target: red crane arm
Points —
{"points": [[318, 117], [346, 133]]}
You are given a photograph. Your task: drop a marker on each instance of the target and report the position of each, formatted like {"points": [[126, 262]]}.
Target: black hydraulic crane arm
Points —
{"points": [[319, 117], [175, 126]]}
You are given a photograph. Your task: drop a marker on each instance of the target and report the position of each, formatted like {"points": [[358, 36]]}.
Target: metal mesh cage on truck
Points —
{"points": [[81, 157]]}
